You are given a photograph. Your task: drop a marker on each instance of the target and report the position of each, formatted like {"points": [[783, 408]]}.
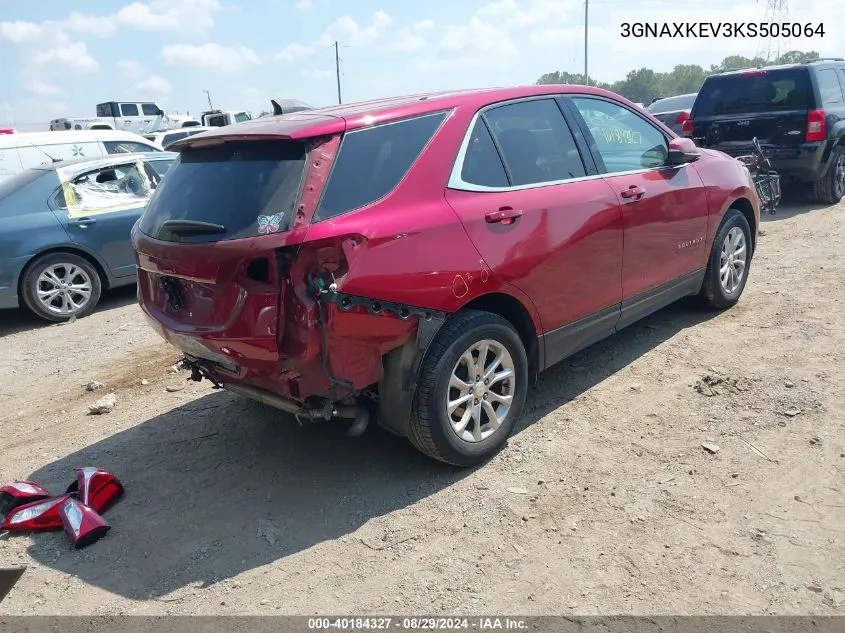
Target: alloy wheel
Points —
{"points": [[63, 288], [481, 390], [733, 259]]}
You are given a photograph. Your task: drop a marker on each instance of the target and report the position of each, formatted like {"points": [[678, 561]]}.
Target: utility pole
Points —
{"points": [[586, 38], [337, 70], [208, 95]]}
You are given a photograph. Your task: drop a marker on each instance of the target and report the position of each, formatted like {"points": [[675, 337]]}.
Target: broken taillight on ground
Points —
{"points": [[29, 508], [38, 516], [19, 493], [98, 489], [82, 524]]}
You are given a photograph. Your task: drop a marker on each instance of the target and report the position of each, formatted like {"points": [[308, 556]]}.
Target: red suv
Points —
{"points": [[418, 260]]}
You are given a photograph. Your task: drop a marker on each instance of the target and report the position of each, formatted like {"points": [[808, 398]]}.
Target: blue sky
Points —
{"points": [[58, 61]]}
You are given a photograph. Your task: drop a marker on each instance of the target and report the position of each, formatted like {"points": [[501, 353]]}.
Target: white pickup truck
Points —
{"points": [[220, 118], [141, 117]]}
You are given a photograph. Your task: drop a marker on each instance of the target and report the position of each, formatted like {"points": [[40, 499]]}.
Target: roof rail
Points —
{"points": [[823, 59]]}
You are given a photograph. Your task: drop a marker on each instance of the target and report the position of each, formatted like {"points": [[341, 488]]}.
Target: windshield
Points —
{"points": [[763, 91], [672, 104], [249, 188]]}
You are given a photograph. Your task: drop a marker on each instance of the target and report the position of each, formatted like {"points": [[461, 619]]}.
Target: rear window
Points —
{"points": [[672, 104], [20, 180], [372, 161], [766, 91], [249, 188]]}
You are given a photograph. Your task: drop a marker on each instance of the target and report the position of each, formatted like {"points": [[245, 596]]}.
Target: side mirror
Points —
{"points": [[682, 151]]}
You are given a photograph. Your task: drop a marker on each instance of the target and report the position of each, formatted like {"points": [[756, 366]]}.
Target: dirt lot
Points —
{"points": [[604, 501]]}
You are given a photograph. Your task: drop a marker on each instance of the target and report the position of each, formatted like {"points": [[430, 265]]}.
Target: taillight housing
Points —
{"points": [[82, 525], [19, 493], [38, 516], [98, 489], [687, 127], [683, 117], [815, 126]]}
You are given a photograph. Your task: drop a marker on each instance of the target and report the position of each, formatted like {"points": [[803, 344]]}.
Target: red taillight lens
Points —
{"points": [[39, 516], [687, 127], [97, 489], [815, 126], [19, 493], [82, 525], [683, 117]]}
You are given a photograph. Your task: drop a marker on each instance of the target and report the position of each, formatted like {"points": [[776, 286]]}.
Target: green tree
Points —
{"points": [[644, 84]]}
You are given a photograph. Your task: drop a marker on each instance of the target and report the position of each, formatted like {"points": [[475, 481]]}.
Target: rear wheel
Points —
{"points": [[59, 286], [471, 390], [830, 189], [730, 258]]}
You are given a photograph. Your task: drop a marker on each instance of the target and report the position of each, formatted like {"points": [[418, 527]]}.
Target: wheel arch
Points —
{"points": [[105, 280], [401, 366], [744, 206]]}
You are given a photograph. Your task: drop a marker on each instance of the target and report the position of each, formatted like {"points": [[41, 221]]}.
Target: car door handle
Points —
{"points": [[82, 222], [504, 215], [633, 193]]}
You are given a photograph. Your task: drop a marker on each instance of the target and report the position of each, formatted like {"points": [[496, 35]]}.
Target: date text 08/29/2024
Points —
{"points": [[416, 623]]}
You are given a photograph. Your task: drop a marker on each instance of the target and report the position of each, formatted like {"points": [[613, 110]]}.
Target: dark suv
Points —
{"points": [[796, 111]]}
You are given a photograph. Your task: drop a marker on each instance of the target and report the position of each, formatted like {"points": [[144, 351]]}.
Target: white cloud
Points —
{"points": [[102, 26], [40, 88], [407, 42], [58, 107], [304, 5], [477, 37], [423, 25], [19, 31], [295, 51], [344, 30], [131, 69], [165, 15], [155, 84], [214, 56], [72, 56]]}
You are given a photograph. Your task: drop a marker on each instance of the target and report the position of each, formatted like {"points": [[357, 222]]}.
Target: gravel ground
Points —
{"points": [[604, 501]]}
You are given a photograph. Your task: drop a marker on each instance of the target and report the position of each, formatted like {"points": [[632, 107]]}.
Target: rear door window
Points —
{"points": [[829, 87], [482, 164], [755, 92], [248, 188], [536, 142], [372, 161], [129, 109]]}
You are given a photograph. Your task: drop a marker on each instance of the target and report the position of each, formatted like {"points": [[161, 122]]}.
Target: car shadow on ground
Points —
{"points": [[18, 320], [222, 485]]}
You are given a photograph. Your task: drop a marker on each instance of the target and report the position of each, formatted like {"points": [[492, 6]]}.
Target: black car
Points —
{"points": [[672, 111], [796, 111]]}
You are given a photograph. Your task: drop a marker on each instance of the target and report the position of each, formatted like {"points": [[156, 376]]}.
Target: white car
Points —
{"points": [[32, 149], [165, 138]]}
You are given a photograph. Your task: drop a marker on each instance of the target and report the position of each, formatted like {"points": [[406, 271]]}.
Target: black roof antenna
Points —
{"points": [[55, 160]]}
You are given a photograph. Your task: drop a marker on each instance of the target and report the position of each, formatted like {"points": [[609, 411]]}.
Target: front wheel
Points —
{"points": [[471, 391], [60, 286], [730, 258]]}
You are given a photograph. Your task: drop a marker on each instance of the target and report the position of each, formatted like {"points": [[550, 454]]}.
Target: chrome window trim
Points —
{"points": [[457, 183]]}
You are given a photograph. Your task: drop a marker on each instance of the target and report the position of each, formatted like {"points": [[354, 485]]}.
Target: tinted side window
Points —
{"points": [[482, 163], [829, 87], [128, 147], [105, 110], [172, 138], [149, 109], [624, 141], [128, 109], [535, 141], [372, 161]]}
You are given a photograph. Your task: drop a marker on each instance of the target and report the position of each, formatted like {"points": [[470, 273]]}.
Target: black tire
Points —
{"points": [[713, 294], [830, 188], [29, 286], [431, 430]]}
